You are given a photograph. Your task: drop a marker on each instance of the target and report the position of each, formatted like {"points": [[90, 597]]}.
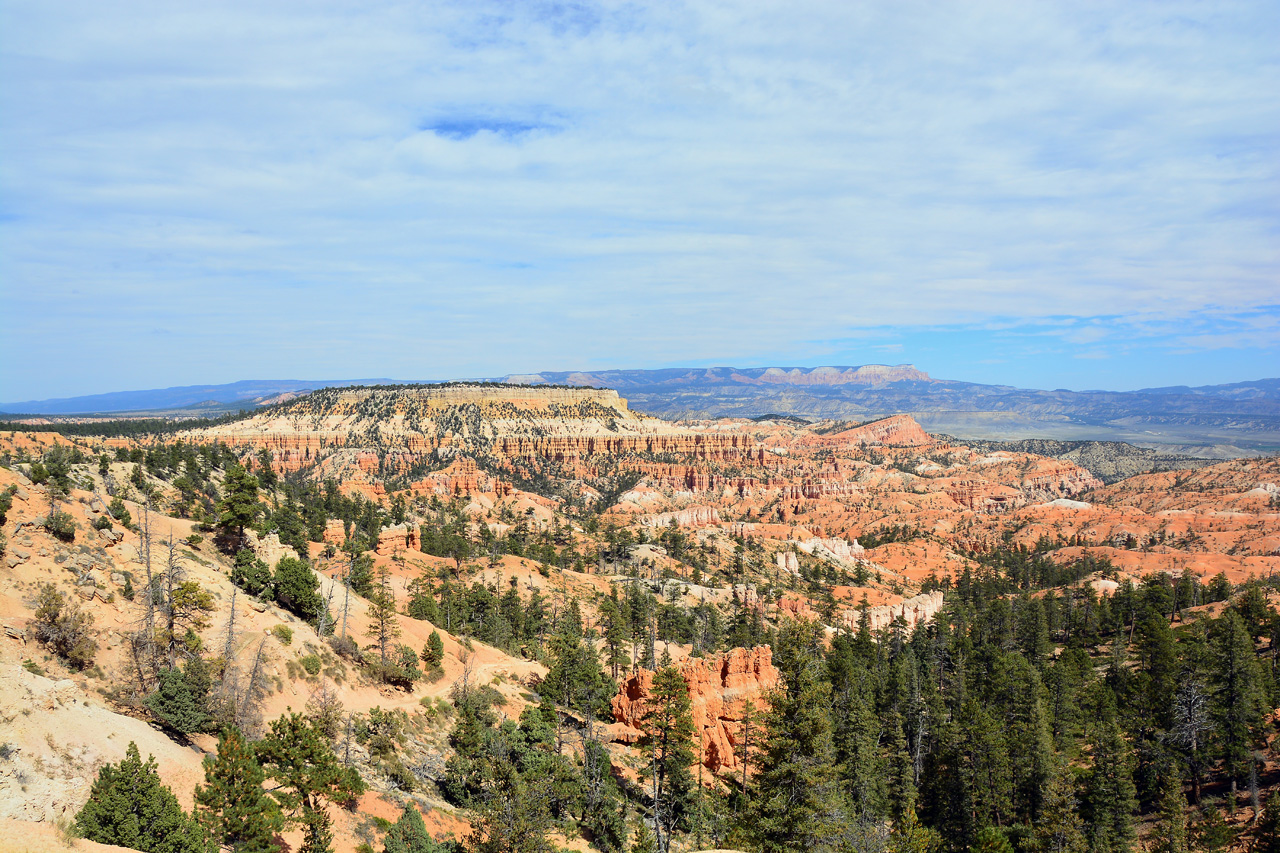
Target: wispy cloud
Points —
{"points": [[452, 188]]}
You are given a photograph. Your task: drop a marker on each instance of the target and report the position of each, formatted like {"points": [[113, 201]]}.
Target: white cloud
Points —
{"points": [[644, 184]]}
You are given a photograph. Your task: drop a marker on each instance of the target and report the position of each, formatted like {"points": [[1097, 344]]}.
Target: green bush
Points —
{"points": [[283, 633], [102, 522], [251, 574], [117, 509], [61, 525], [311, 663], [297, 589], [6, 501], [63, 627]]}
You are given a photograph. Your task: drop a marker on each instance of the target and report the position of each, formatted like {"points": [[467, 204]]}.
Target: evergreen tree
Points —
{"points": [[433, 652], [1059, 829], [799, 804], [383, 627], [1109, 794], [129, 806], [297, 589], [1239, 702], [239, 506], [409, 834], [296, 755], [666, 733], [231, 804], [317, 836], [991, 840], [251, 574], [174, 704], [1269, 826], [1171, 829]]}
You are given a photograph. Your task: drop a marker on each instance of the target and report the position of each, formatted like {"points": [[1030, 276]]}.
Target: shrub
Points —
{"points": [[311, 663], [6, 501], [102, 522], [120, 512], [61, 525], [251, 574], [283, 633], [64, 627], [400, 776], [347, 647], [297, 588]]}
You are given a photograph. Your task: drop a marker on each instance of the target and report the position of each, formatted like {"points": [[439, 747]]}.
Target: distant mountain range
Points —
{"points": [[1219, 420]]}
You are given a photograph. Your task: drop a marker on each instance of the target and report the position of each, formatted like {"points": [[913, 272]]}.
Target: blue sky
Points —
{"points": [[1081, 195]]}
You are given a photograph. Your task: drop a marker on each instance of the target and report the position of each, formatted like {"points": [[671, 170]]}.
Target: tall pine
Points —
{"points": [[232, 804], [799, 803]]}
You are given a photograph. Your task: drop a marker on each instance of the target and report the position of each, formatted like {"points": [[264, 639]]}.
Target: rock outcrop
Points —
{"points": [[694, 516], [720, 691], [397, 539]]}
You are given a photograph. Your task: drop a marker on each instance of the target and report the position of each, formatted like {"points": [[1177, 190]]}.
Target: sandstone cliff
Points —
{"points": [[720, 691]]}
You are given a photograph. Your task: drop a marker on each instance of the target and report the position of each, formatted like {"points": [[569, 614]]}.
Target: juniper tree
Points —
{"points": [[129, 806]]}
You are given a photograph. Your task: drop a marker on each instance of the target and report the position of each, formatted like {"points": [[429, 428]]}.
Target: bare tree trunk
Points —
{"points": [[246, 711], [228, 647], [172, 577], [346, 596], [323, 622], [1253, 787]]}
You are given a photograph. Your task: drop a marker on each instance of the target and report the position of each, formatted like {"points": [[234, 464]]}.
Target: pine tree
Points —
{"points": [[666, 733], [1109, 794], [238, 507], [296, 755], [1059, 829], [1239, 702], [383, 627], [409, 834], [799, 803], [174, 704], [1171, 830], [232, 804], [317, 836], [433, 651], [129, 806], [1269, 826], [297, 589], [991, 840]]}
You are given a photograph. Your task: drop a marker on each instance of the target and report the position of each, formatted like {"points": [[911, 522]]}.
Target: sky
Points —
{"points": [[1077, 194]]}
